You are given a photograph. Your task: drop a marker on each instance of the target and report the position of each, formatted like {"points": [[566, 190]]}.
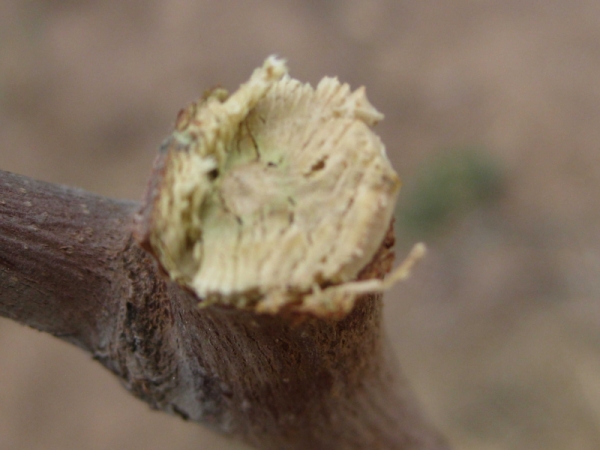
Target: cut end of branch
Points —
{"points": [[274, 197]]}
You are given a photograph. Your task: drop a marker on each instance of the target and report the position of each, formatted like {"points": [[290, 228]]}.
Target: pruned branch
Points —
{"points": [[294, 361]]}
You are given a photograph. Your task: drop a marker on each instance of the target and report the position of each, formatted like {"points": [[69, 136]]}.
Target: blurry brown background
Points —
{"points": [[493, 107]]}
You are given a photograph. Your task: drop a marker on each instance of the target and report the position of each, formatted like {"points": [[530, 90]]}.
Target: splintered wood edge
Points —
{"points": [[277, 197]]}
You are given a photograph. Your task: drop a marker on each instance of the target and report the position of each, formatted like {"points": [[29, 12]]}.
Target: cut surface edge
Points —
{"points": [[275, 197]]}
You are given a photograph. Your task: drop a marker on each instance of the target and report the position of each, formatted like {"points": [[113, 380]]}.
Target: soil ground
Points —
{"points": [[498, 330]]}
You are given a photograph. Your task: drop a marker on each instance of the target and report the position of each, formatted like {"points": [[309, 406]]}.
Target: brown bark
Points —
{"points": [[70, 267], [60, 252]]}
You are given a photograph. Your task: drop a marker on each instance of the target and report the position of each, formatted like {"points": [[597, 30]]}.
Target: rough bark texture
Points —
{"points": [[70, 267], [61, 252]]}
